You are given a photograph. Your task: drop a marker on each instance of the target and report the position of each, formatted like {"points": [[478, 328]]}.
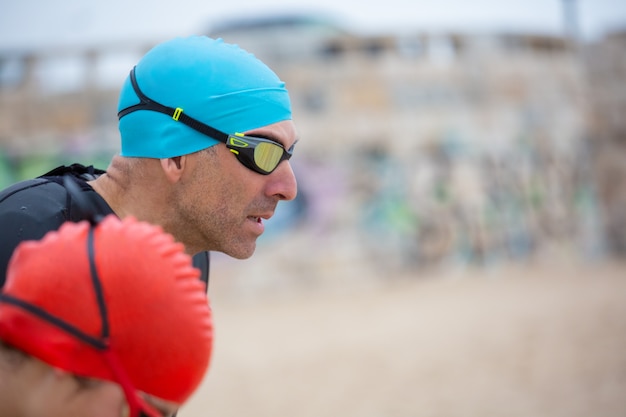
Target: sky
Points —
{"points": [[44, 23]]}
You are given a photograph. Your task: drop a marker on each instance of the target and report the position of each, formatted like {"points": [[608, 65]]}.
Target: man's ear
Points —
{"points": [[173, 167]]}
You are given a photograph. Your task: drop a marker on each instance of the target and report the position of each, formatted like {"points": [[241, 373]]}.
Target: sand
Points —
{"points": [[511, 340]]}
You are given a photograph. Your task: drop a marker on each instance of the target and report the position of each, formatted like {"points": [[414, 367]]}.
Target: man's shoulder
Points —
{"points": [[49, 184], [33, 193], [31, 208], [48, 196], [28, 210]]}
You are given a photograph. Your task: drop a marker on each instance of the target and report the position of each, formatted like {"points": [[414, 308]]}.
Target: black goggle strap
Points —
{"points": [[100, 344], [97, 285], [62, 324], [177, 113]]}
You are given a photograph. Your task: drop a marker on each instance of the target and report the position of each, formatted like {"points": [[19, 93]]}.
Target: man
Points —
{"points": [[87, 316], [206, 135]]}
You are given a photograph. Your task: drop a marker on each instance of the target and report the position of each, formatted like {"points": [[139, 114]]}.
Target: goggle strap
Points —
{"points": [[137, 407], [54, 320], [175, 113], [97, 285]]}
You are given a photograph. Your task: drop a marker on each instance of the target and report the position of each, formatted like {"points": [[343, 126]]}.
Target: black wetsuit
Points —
{"points": [[31, 208]]}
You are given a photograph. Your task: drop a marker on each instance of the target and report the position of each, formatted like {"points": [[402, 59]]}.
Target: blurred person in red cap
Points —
{"points": [[90, 328], [206, 136]]}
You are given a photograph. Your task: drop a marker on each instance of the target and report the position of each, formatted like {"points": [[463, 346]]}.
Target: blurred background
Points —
{"points": [[457, 245]]}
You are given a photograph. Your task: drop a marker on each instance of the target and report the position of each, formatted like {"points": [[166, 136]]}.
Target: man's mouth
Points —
{"points": [[261, 217]]}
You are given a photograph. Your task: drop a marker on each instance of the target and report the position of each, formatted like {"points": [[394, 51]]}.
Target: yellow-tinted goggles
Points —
{"points": [[259, 154]]}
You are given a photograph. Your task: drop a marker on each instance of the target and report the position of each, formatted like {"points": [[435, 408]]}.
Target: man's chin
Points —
{"points": [[241, 252]]}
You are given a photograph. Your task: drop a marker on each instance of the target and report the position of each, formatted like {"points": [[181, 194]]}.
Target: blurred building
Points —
{"points": [[418, 148], [606, 67]]}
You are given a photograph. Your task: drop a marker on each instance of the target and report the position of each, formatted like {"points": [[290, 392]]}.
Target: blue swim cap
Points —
{"points": [[217, 83]]}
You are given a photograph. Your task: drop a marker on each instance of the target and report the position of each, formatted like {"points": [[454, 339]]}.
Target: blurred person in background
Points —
{"points": [[87, 316], [206, 135]]}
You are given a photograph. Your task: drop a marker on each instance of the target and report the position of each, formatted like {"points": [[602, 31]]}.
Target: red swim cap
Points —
{"points": [[152, 313]]}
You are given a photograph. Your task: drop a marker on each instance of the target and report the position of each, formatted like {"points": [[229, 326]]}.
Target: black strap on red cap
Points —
{"points": [[54, 320]]}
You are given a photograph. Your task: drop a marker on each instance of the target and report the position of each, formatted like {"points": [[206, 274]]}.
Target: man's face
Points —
{"points": [[222, 204]]}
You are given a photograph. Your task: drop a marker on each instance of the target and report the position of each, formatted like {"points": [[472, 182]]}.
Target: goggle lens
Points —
{"points": [[267, 156], [259, 154]]}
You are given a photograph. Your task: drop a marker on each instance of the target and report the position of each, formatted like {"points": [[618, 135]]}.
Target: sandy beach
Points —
{"points": [[522, 340]]}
